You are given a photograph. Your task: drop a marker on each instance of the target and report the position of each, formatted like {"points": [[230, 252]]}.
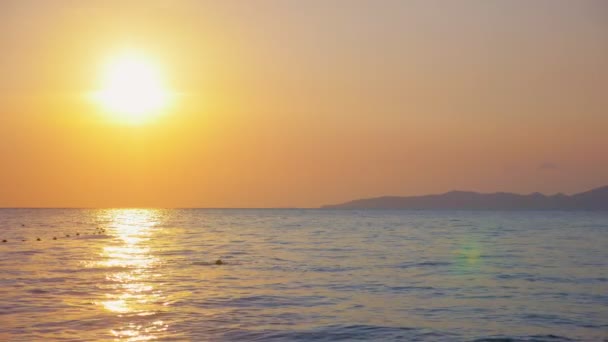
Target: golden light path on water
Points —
{"points": [[132, 271]]}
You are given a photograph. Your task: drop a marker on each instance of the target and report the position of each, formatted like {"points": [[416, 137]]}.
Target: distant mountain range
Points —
{"points": [[596, 199]]}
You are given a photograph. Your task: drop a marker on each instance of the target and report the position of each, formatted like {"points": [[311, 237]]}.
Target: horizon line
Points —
{"points": [[322, 206], [211, 208]]}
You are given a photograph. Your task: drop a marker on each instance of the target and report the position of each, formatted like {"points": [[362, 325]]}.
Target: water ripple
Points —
{"points": [[302, 275]]}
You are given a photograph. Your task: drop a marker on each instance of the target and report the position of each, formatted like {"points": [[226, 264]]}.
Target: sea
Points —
{"points": [[302, 275]]}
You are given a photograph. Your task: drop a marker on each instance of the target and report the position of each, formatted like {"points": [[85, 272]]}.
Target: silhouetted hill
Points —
{"points": [[596, 199]]}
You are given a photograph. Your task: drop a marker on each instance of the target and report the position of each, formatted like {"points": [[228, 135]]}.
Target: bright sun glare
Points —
{"points": [[132, 89]]}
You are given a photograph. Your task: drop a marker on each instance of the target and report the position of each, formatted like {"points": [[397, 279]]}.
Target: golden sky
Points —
{"points": [[303, 103]]}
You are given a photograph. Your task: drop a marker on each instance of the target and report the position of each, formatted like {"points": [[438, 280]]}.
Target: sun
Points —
{"points": [[132, 89]]}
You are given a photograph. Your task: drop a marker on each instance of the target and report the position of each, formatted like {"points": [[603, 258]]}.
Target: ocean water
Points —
{"points": [[302, 275]]}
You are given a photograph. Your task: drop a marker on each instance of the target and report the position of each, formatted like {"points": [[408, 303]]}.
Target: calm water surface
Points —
{"points": [[306, 275]]}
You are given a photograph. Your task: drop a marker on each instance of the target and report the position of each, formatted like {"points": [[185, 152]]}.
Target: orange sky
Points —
{"points": [[303, 103]]}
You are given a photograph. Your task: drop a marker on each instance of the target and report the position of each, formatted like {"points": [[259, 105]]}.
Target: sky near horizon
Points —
{"points": [[304, 103]]}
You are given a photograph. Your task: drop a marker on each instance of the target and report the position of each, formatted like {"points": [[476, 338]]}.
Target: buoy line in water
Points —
{"points": [[97, 231], [101, 231]]}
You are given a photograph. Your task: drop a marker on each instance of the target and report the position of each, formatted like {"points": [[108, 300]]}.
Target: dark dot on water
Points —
{"points": [[77, 234], [219, 262], [38, 239], [23, 240], [67, 235], [3, 240], [54, 238]]}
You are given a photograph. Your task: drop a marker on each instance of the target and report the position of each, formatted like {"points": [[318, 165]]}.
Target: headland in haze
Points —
{"points": [[595, 199]]}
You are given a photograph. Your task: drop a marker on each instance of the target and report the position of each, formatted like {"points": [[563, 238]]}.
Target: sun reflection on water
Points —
{"points": [[132, 269]]}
